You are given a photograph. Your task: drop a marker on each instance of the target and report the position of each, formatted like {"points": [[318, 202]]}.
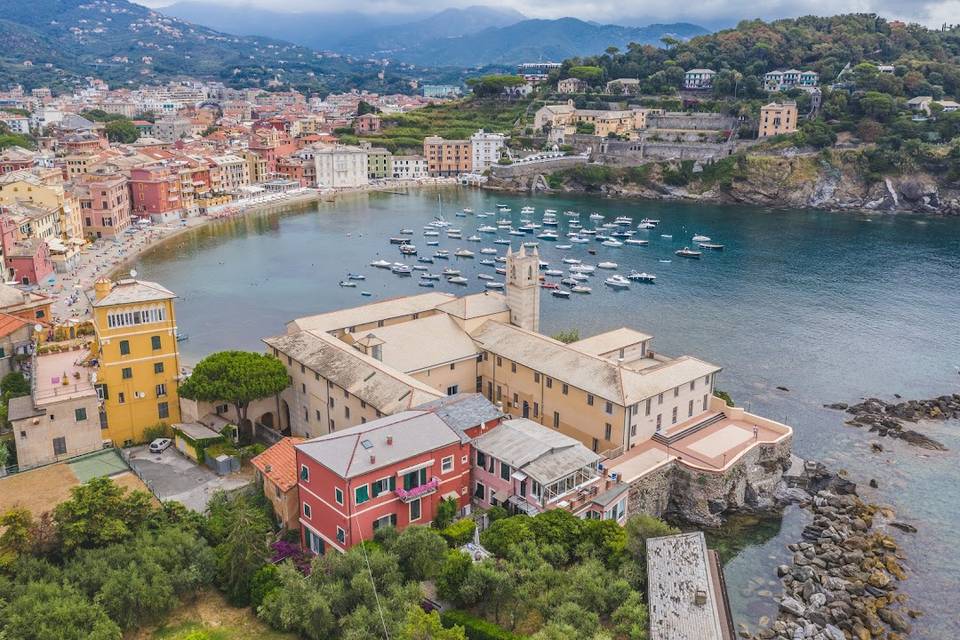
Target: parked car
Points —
{"points": [[160, 445]]}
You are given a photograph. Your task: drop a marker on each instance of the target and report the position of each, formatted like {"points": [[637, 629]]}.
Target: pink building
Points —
{"points": [[367, 123], [528, 468], [393, 471], [27, 261], [155, 193], [104, 205]]}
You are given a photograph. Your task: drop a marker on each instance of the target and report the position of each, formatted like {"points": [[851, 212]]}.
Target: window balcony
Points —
{"points": [[408, 495]]}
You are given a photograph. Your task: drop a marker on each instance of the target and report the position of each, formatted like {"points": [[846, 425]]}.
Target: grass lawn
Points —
{"points": [[210, 613]]}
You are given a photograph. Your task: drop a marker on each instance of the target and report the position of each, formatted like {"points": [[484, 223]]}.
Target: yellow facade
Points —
{"points": [[138, 358], [44, 188]]}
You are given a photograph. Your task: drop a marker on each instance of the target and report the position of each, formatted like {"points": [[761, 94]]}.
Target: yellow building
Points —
{"points": [[44, 188], [138, 359], [777, 118]]}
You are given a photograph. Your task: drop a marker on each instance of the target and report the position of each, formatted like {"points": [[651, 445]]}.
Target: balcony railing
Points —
{"points": [[406, 495]]}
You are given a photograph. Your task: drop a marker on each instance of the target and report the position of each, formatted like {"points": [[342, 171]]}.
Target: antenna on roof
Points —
{"points": [[133, 273]]}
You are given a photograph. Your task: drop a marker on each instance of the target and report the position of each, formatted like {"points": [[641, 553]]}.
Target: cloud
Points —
{"points": [[708, 12]]}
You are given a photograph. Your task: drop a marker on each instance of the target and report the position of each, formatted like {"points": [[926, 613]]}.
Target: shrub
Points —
{"points": [[723, 395], [263, 582], [477, 628], [156, 431], [459, 533]]}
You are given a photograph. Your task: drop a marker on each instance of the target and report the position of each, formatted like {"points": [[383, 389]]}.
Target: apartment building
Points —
{"points": [[379, 163], [340, 167], [104, 204], [485, 149], [790, 79], [698, 79], [231, 173], [155, 193], [409, 167], [447, 158], [777, 118]]}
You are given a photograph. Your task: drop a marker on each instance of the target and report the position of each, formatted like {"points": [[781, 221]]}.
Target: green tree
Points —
{"points": [[446, 512], [639, 528], [505, 533], [14, 384], [236, 377], [420, 552], [123, 131], [456, 567], [48, 611], [631, 619], [16, 526], [99, 513], [297, 606], [421, 625], [589, 74], [244, 549], [566, 337]]}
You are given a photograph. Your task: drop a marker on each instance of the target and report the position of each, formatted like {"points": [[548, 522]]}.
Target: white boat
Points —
{"points": [[617, 282], [687, 252], [623, 220], [380, 264], [710, 245], [571, 214], [433, 243], [467, 210], [356, 276], [529, 228], [484, 276], [642, 277], [419, 267], [575, 225], [487, 262], [579, 277], [635, 242], [547, 235], [531, 245], [501, 271], [457, 280], [553, 272], [612, 243], [701, 238], [406, 232], [646, 225], [579, 240], [653, 221], [583, 268], [401, 269], [668, 236], [580, 289], [474, 239], [449, 273], [501, 241], [490, 251], [516, 232], [570, 282], [442, 254], [347, 283], [527, 209], [607, 265], [501, 259], [550, 211], [432, 233], [426, 283], [487, 229], [425, 259], [454, 233], [505, 209], [572, 260], [504, 222], [560, 293], [493, 285], [463, 253], [596, 216], [408, 249], [588, 232], [543, 264], [429, 276]]}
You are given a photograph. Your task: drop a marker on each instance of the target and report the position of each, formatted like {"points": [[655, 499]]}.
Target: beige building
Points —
{"points": [[559, 121], [230, 173], [341, 167], [777, 118], [45, 188], [610, 392], [447, 158], [61, 418]]}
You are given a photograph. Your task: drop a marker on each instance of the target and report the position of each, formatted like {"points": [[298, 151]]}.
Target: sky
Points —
{"points": [[706, 12]]}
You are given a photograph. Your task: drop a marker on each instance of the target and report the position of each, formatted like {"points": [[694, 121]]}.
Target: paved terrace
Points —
{"points": [[59, 376], [712, 442]]}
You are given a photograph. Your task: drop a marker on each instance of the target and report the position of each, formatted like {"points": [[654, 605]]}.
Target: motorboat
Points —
{"points": [[646, 225], [449, 273], [701, 238], [547, 235], [401, 269], [408, 250], [588, 232], [487, 229], [356, 276], [579, 277], [347, 283], [501, 241], [456, 235], [463, 253], [710, 245], [531, 245], [580, 289], [612, 243], [420, 267], [687, 252], [583, 268], [433, 243], [426, 283], [569, 214], [504, 222], [623, 220], [560, 293], [493, 285], [517, 232], [553, 272], [665, 260], [542, 264], [490, 251], [575, 225], [596, 216], [467, 210], [381, 264], [484, 276], [442, 254], [667, 236], [579, 240], [431, 233], [366, 294], [425, 259], [457, 280], [527, 228], [406, 232], [474, 239], [501, 259], [621, 234], [592, 252], [617, 282], [653, 221], [487, 262], [607, 265], [501, 271], [399, 240], [564, 246], [429, 276], [549, 285], [642, 277], [572, 260], [570, 282], [636, 242]]}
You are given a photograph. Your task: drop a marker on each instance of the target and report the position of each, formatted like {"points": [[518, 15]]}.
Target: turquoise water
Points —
{"points": [[831, 306]]}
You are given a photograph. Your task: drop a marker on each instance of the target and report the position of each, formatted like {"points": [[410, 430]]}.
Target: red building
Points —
{"points": [[393, 471], [28, 261], [155, 193], [367, 123]]}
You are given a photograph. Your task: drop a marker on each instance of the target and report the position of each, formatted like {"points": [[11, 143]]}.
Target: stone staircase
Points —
{"points": [[669, 438]]}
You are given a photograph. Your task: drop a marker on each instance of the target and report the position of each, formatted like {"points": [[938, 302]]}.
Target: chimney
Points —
{"points": [[101, 288], [373, 459], [700, 597], [389, 439]]}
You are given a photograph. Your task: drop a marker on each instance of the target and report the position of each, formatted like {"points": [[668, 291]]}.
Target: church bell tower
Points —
{"points": [[523, 288]]}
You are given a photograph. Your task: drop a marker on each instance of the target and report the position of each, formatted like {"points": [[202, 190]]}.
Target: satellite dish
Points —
{"points": [[133, 273], [38, 327]]}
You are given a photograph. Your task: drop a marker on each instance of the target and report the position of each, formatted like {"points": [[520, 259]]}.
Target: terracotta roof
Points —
{"points": [[279, 463], [9, 324]]}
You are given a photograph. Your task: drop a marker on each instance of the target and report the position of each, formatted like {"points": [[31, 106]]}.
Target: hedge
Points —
{"points": [[477, 628], [459, 533]]}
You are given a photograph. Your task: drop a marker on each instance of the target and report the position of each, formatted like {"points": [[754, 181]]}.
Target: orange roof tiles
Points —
{"points": [[9, 324], [279, 463]]}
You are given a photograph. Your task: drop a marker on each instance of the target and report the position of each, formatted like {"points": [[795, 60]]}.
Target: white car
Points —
{"points": [[160, 445]]}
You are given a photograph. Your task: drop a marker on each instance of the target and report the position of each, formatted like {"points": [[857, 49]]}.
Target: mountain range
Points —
{"points": [[469, 37]]}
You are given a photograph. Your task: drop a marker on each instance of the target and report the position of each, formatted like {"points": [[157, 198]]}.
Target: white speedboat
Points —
{"points": [[596, 216], [401, 269], [463, 253], [501, 259], [547, 235], [449, 273], [487, 229], [381, 264], [653, 221], [588, 232], [572, 260], [642, 277], [501, 271], [455, 234], [419, 267], [457, 280], [612, 243], [490, 251], [579, 277], [623, 220], [646, 225], [429, 276], [701, 238], [635, 242], [406, 232], [356, 276], [431, 233], [710, 245], [426, 283], [487, 262], [493, 285], [467, 210], [553, 272], [687, 252], [347, 283], [531, 245], [583, 268], [474, 238], [564, 246], [408, 250], [560, 293], [607, 265], [667, 236], [433, 243], [484, 276], [580, 289], [579, 240], [517, 232], [442, 254], [425, 259], [617, 282], [501, 241]]}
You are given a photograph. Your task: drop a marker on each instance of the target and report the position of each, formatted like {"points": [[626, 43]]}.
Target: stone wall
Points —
{"points": [[695, 121], [503, 171]]}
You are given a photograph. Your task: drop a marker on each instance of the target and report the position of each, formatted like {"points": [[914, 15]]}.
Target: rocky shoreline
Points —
{"points": [[887, 419], [842, 581]]}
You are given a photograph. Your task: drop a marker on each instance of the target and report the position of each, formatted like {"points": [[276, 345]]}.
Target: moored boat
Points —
{"points": [[687, 252]]}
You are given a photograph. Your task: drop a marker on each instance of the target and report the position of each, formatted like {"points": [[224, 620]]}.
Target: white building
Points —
{"points": [[341, 167], [698, 79], [45, 116], [15, 122], [409, 167], [485, 149]]}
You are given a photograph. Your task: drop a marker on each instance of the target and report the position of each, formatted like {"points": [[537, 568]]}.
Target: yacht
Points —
{"points": [[380, 264], [454, 233], [583, 268], [560, 293], [467, 210], [623, 220], [501, 241], [575, 225], [433, 243], [425, 259], [429, 276], [487, 229], [474, 239], [687, 252], [401, 269], [646, 225], [617, 282], [701, 238], [570, 282], [517, 232], [487, 262], [710, 245], [653, 221], [612, 243], [553, 272], [642, 277], [442, 254], [580, 289], [501, 271], [547, 235], [531, 245], [588, 232], [463, 253], [426, 283], [596, 216], [449, 273], [457, 280], [501, 259], [406, 232], [572, 260], [607, 265], [635, 242], [579, 240], [431, 233], [484, 276], [408, 250], [489, 251], [564, 246], [419, 267], [356, 276], [347, 283], [493, 285], [579, 277]]}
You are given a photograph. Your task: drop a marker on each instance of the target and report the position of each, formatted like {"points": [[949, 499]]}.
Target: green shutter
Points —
{"points": [[393, 483], [423, 476], [362, 494], [408, 480], [376, 488]]}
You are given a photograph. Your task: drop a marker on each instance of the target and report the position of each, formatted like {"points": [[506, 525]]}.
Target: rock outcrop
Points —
{"points": [[887, 419]]}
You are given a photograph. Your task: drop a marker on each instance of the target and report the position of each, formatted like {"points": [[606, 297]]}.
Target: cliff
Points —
{"points": [[833, 181]]}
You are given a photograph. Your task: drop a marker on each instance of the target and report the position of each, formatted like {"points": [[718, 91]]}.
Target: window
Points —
{"points": [[155, 343], [346, 412], [536, 409], [479, 384], [590, 399], [676, 392], [565, 388], [660, 399], [453, 390], [415, 510], [633, 430], [536, 377], [609, 408], [446, 465], [127, 373], [513, 367], [647, 410], [121, 398], [80, 414], [608, 431], [303, 387], [415, 479], [161, 390], [499, 393], [705, 402], [331, 401], [158, 367], [499, 361], [337, 493], [549, 383], [481, 459], [304, 473], [361, 494], [383, 485], [314, 542], [307, 513], [693, 384], [480, 492], [163, 410], [690, 408], [317, 414], [385, 521], [556, 419], [59, 446], [453, 366], [659, 420], [504, 471], [124, 347], [674, 416], [516, 400], [596, 445]]}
